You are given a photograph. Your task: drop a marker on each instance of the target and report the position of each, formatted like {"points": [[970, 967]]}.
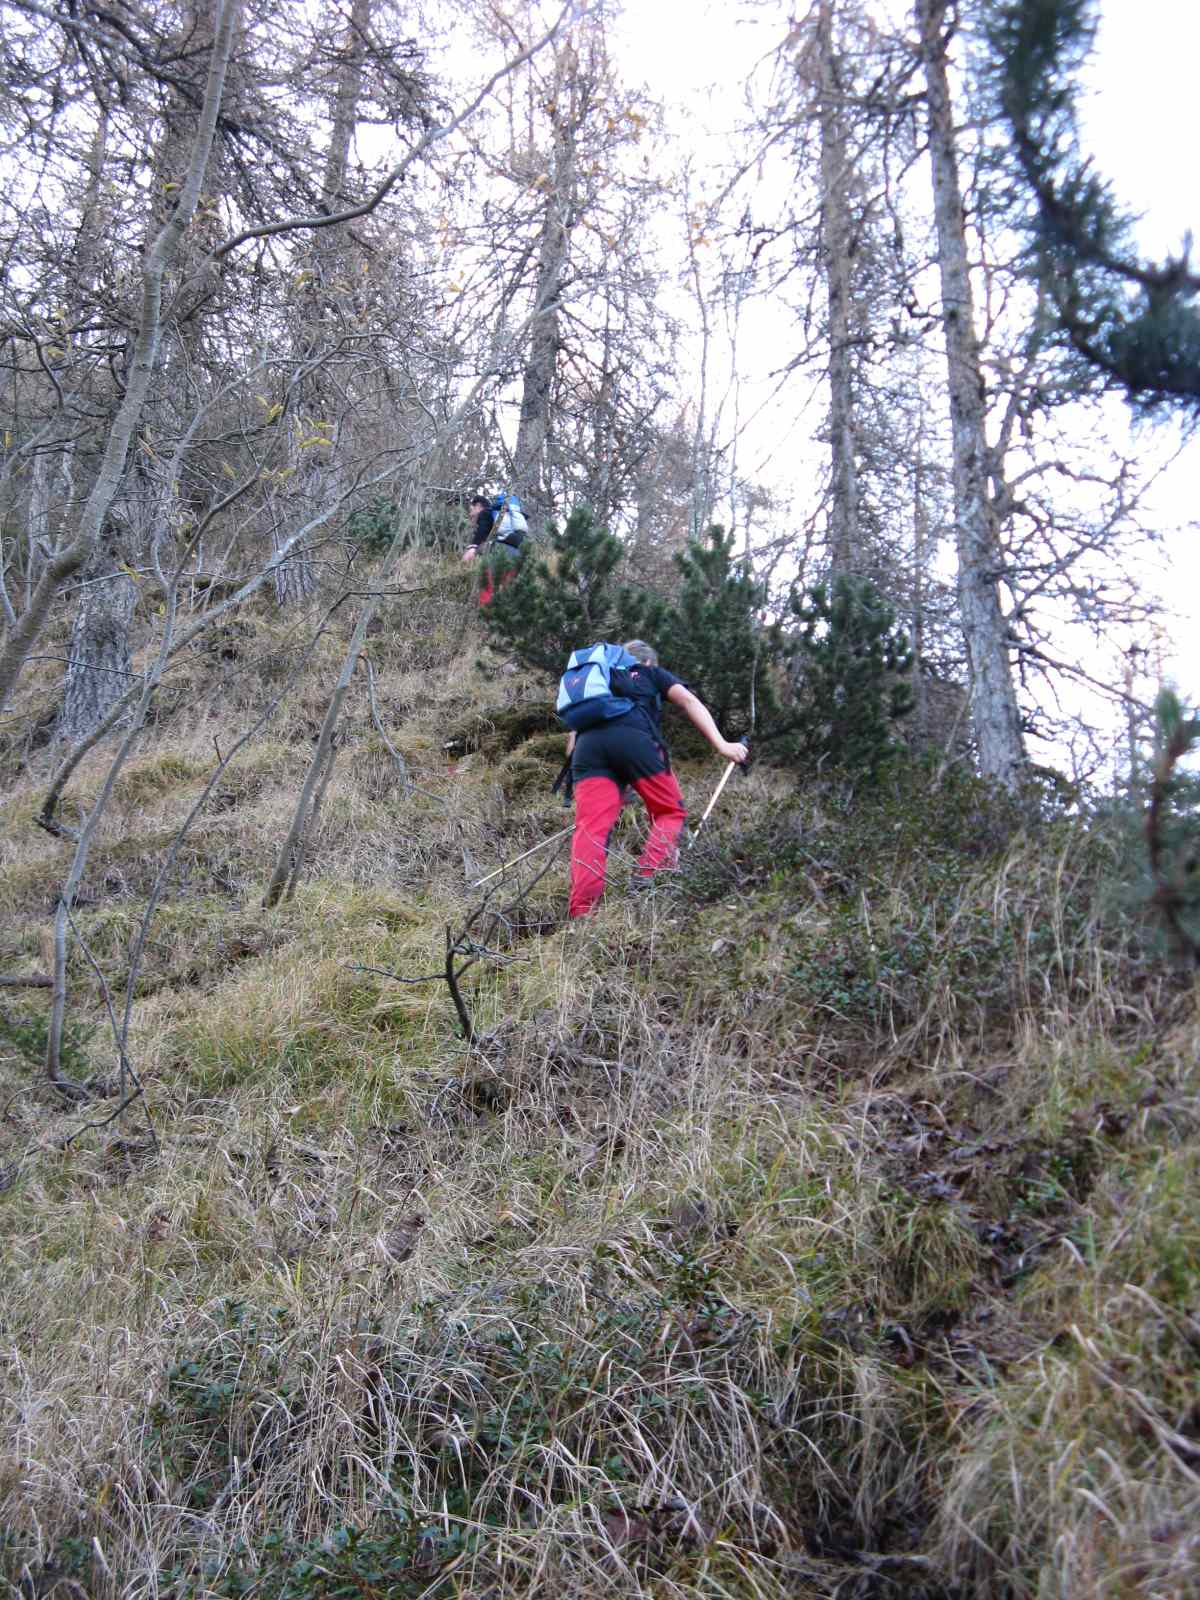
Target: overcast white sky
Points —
{"points": [[1140, 126]]}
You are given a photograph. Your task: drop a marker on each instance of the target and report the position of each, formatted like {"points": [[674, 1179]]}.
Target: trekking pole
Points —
{"points": [[565, 782], [715, 797], [479, 882]]}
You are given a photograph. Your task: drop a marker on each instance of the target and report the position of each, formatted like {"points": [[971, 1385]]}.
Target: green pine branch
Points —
{"points": [[1135, 323]]}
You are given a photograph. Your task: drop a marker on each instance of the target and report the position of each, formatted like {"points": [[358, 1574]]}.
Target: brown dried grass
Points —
{"points": [[704, 1301]]}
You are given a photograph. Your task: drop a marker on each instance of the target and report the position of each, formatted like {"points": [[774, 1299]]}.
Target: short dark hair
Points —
{"points": [[478, 500]]}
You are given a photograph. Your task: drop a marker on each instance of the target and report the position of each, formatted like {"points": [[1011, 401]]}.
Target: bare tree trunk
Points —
{"points": [[702, 446], [920, 557], [38, 527], [288, 866], [345, 106], [328, 297], [529, 457], [70, 558], [97, 671], [92, 222], [98, 658], [295, 579], [994, 710], [836, 247], [599, 477]]}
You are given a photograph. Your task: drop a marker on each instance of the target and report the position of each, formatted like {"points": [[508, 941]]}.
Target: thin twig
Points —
{"points": [[452, 977], [463, 950], [126, 1066], [103, 1122], [223, 762], [384, 972], [401, 764], [562, 832]]}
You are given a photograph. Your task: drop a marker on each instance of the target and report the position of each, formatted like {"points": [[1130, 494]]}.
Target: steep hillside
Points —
{"points": [[822, 1224]]}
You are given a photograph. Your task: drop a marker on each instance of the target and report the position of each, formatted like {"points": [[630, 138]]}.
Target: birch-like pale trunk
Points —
{"points": [[994, 711], [537, 387], [99, 662], [71, 557], [703, 495], [291, 855], [920, 559], [836, 237], [314, 467]]}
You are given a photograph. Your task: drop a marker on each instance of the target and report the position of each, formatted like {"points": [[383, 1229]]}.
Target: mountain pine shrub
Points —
{"points": [[709, 632], [853, 662], [713, 636], [566, 594], [1173, 826]]}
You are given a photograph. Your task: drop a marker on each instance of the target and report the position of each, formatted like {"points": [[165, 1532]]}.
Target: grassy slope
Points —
{"points": [[826, 1225]]}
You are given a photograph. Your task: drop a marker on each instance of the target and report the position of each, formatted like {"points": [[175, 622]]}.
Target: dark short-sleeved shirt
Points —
{"points": [[631, 747], [647, 688]]}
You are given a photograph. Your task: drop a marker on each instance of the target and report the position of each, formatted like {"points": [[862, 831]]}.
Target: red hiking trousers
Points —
{"points": [[499, 571], [597, 806]]}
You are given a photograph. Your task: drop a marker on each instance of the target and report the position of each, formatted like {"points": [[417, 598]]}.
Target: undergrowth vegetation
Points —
{"points": [[822, 1224]]}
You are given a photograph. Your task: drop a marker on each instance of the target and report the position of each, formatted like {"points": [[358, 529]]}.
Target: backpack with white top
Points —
{"points": [[510, 525], [586, 697]]}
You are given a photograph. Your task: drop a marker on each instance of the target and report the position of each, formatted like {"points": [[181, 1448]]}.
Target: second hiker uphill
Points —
{"points": [[498, 529]]}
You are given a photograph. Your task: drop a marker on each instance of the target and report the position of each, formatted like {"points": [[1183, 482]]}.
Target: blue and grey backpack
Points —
{"points": [[585, 691], [510, 525]]}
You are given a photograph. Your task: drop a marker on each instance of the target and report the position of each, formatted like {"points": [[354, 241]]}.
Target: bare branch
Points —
{"points": [[434, 136]]}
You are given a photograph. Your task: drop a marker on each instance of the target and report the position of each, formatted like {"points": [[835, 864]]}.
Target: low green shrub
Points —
{"points": [[27, 1037]]}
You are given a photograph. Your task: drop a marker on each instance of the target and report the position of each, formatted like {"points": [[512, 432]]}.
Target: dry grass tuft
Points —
{"points": [[823, 1224]]}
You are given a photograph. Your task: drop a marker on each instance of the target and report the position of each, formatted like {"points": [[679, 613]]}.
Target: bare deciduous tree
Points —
{"points": [[994, 710]]}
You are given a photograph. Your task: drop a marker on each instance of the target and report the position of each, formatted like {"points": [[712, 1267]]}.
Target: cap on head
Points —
{"points": [[641, 651]]}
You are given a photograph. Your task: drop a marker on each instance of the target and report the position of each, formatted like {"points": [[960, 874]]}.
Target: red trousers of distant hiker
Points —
{"points": [[597, 806], [500, 571], [490, 586]]}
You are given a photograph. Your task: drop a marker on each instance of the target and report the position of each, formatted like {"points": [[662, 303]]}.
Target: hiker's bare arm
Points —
{"points": [[470, 552], [701, 717], [570, 745]]}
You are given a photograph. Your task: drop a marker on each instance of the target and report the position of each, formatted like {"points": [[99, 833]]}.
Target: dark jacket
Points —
{"points": [[483, 526]]}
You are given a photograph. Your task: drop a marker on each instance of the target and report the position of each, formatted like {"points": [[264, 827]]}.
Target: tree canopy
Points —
{"points": [[1134, 321]]}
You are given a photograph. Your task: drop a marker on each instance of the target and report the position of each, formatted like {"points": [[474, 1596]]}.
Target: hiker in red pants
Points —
{"points": [[507, 536], [629, 749]]}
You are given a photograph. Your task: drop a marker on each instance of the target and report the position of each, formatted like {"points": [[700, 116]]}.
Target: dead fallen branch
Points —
{"points": [[471, 944]]}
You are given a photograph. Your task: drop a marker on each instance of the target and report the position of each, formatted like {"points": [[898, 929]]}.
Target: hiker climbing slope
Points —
{"points": [[503, 521], [625, 746]]}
